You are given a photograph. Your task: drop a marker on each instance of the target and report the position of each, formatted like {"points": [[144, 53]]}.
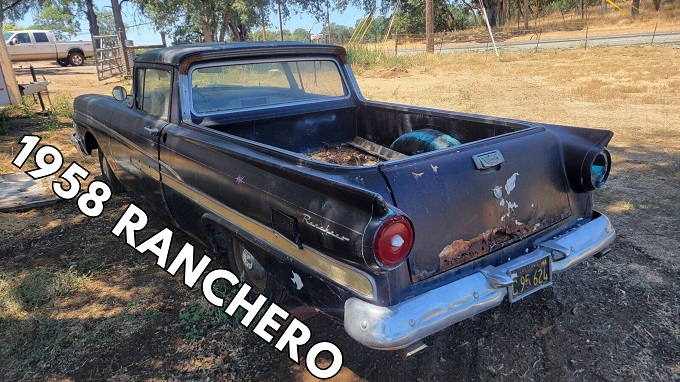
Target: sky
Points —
{"points": [[141, 32]]}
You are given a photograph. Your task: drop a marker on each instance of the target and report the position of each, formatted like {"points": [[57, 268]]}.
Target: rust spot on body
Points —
{"points": [[462, 251]]}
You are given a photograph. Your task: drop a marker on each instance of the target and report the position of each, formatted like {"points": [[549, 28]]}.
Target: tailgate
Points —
{"points": [[461, 213]]}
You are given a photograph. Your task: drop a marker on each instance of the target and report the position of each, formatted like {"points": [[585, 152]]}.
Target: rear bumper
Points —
{"points": [[395, 327]]}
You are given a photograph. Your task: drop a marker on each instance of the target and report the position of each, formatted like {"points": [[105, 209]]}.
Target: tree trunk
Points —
{"points": [[429, 26], [657, 4], [526, 15], [118, 19], [583, 9], [498, 13], [238, 31], [635, 9], [506, 11], [471, 9], [490, 8], [207, 33], [223, 28], [92, 20], [451, 20]]}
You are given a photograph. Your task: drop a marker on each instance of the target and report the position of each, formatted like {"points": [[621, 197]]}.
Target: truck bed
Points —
{"points": [[330, 136]]}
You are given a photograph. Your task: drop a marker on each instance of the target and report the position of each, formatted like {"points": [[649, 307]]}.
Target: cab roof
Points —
{"points": [[185, 55]]}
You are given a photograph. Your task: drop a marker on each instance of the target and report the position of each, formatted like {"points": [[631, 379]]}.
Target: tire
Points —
{"points": [[76, 59], [109, 177], [62, 62], [250, 271]]}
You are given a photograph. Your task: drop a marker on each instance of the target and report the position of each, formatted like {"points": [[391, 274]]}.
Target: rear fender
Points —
{"points": [[579, 148]]}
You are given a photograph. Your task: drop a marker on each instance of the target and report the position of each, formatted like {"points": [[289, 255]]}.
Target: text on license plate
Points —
{"points": [[530, 278]]}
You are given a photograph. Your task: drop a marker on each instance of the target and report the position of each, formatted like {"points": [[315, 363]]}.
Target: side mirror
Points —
{"points": [[11, 42], [119, 93]]}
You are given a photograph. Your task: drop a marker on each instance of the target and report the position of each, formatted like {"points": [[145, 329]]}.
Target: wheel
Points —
{"points": [[249, 270], [76, 59], [109, 177], [62, 62]]}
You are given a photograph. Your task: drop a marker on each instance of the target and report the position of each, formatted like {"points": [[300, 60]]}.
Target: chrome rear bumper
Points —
{"points": [[395, 327]]}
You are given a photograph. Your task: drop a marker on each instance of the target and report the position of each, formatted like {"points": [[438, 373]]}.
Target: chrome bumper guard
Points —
{"points": [[80, 144], [395, 327]]}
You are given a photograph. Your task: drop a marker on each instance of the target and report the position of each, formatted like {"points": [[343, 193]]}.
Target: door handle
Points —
{"points": [[152, 131]]}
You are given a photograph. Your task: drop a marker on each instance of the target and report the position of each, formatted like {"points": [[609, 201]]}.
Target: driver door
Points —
{"points": [[21, 46], [136, 133]]}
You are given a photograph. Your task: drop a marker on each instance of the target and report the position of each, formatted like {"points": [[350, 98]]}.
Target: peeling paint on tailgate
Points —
{"points": [[464, 213]]}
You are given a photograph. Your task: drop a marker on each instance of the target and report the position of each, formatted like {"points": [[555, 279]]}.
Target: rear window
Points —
{"points": [[40, 37], [227, 87]]}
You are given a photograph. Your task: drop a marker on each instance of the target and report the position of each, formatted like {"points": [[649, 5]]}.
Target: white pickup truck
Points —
{"points": [[36, 45]]}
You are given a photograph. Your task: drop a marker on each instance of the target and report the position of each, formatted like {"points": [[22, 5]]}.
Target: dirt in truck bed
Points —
{"points": [[344, 155]]}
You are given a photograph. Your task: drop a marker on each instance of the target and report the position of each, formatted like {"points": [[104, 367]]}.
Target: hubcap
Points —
{"points": [[255, 274], [248, 259]]}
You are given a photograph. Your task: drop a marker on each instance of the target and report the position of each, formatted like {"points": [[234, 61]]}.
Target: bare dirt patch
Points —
{"points": [[107, 313]]}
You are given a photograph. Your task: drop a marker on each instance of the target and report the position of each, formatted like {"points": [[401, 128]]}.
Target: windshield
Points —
{"points": [[225, 87], [8, 35]]}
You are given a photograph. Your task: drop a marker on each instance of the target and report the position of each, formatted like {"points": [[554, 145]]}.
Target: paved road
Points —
{"points": [[564, 43]]}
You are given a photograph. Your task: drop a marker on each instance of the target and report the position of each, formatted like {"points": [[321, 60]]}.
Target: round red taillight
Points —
{"points": [[393, 241]]}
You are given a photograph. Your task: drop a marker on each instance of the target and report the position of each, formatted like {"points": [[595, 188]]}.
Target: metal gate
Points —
{"points": [[108, 55]]}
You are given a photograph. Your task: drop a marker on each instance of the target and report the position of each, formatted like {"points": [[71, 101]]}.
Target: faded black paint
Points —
{"points": [[253, 162]]}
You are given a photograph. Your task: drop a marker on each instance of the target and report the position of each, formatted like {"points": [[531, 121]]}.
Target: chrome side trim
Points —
{"points": [[332, 269], [398, 326]]}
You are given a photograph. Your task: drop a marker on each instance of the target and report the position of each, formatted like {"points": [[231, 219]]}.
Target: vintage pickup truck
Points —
{"points": [[36, 45], [398, 220]]}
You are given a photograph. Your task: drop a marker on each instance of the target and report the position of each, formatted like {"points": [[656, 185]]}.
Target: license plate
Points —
{"points": [[530, 278]]}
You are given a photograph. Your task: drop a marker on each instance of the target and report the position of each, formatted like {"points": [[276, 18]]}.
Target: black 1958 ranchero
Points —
{"points": [[398, 220]]}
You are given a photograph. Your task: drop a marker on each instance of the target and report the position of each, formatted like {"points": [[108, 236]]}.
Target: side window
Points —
{"points": [[40, 37], [22, 38], [153, 91]]}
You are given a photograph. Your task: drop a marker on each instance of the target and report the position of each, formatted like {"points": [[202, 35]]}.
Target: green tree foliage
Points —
{"points": [[14, 10], [186, 34], [9, 26], [271, 35], [301, 34], [216, 19], [58, 20], [339, 33], [410, 17], [107, 25], [62, 16]]}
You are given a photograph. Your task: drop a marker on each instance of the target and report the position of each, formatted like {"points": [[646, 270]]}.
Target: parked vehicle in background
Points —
{"points": [[36, 45]]}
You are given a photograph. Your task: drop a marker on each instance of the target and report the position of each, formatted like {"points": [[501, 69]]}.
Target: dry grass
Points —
{"points": [[631, 90]]}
